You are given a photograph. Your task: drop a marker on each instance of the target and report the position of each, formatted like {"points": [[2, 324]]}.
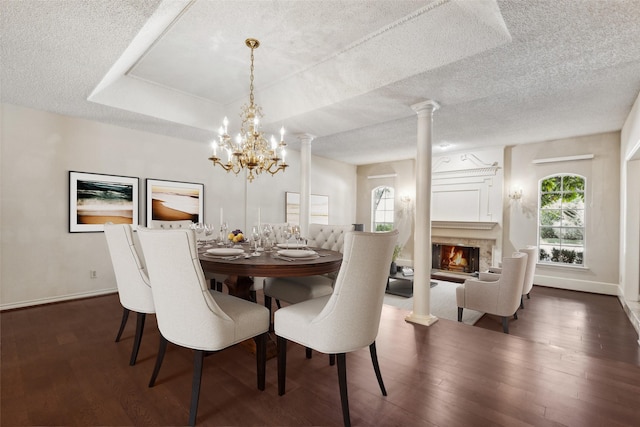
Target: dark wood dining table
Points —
{"points": [[241, 271]]}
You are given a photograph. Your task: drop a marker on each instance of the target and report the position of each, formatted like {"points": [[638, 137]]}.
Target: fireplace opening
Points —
{"points": [[455, 258]]}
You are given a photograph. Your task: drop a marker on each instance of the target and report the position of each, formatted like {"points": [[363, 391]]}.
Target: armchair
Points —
{"points": [[500, 297], [530, 272]]}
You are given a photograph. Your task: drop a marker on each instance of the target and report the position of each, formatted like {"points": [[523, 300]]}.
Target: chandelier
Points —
{"points": [[250, 149]]}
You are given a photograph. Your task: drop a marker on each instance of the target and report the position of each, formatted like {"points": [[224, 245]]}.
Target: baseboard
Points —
{"points": [[577, 285], [59, 298]]}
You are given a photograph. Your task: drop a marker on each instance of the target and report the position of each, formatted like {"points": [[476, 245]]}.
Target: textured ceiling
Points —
{"points": [[504, 72]]}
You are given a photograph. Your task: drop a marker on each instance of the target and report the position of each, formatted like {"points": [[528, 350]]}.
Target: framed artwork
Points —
{"points": [[318, 209], [174, 201], [95, 199]]}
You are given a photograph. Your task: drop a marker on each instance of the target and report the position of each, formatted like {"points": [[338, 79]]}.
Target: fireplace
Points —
{"points": [[455, 258]]}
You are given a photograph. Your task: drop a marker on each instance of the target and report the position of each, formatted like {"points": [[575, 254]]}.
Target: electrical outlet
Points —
{"points": [[93, 274]]}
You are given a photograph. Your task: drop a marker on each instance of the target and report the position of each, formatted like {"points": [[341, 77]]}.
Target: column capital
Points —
{"points": [[305, 137], [428, 106]]}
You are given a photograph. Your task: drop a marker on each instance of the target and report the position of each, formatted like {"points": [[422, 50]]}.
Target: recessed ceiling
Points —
{"points": [[505, 72]]}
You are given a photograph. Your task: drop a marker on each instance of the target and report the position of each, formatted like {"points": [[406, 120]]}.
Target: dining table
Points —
{"points": [[243, 267]]}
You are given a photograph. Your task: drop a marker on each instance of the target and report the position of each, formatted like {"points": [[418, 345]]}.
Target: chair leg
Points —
{"points": [[159, 358], [267, 303], [278, 303], [219, 286], [515, 315], [307, 352], [460, 314], [252, 296], [332, 359], [140, 318], [342, 380], [123, 322], [505, 324], [198, 359], [261, 358], [528, 296], [282, 364], [376, 367], [522, 301]]}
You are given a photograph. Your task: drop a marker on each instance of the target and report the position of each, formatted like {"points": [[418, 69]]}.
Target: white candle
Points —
{"points": [[221, 217], [259, 222]]}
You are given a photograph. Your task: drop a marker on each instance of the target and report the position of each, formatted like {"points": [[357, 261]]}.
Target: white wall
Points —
{"points": [[43, 262], [630, 205], [602, 211]]}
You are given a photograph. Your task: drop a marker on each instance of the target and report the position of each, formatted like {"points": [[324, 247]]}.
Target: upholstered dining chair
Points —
{"points": [[499, 295], [348, 319], [192, 316], [293, 290], [134, 290], [529, 275]]}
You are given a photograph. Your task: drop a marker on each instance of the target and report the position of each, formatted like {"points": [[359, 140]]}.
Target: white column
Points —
{"points": [[305, 181], [421, 313]]}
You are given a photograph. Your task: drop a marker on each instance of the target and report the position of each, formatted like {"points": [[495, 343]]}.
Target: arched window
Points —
{"points": [[561, 219], [382, 208]]}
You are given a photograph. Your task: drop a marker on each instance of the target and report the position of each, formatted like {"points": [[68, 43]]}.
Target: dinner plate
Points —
{"points": [[225, 251], [297, 253], [291, 245]]}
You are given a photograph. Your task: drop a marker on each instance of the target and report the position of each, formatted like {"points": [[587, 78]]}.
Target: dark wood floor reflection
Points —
{"points": [[571, 359]]}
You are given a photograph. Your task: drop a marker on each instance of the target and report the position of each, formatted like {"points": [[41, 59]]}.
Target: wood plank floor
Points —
{"points": [[572, 359]]}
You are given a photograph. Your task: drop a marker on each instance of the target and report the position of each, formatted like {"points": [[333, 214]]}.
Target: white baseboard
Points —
{"points": [[58, 298], [577, 285]]}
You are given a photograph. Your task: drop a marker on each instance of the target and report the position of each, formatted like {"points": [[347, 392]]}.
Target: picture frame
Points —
{"points": [[95, 199], [318, 209], [174, 201]]}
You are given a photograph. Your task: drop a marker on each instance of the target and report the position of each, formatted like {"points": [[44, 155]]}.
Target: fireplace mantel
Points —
{"points": [[466, 225]]}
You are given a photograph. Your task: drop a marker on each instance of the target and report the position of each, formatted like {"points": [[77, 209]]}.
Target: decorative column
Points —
{"points": [[305, 181], [421, 313]]}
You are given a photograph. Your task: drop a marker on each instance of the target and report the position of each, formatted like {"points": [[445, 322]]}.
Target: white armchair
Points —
{"points": [[191, 315], [348, 319], [500, 297], [134, 290], [297, 289], [529, 275]]}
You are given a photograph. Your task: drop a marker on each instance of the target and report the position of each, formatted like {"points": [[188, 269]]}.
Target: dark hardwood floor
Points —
{"points": [[571, 359]]}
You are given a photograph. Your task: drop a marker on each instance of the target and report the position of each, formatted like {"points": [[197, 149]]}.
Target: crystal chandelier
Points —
{"points": [[250, 149]]}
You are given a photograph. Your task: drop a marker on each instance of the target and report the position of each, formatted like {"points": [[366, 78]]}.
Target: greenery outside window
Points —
{"points": [[382, 208], [561, 219]]}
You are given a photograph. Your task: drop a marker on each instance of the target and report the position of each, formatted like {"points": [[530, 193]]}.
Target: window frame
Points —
{"points": [[391, 197], [579, 249]]}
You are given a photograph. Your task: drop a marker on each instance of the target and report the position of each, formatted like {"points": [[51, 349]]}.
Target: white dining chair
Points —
{"points": [[192, 316], [132, 282], [348, 319], [293, 290]]}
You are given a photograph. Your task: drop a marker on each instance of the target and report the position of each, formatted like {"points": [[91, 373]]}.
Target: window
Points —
{"points": [[382, 208], [561, 219]]}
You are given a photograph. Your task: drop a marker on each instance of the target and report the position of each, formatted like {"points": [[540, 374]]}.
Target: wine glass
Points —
{"points": [[208, 231], [287, 232], [267, 231], [296, 234], [255, 235], [199, 229]]}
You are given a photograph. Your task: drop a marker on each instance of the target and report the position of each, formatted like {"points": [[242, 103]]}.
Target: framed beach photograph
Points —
{"points": [[174, 201], [319, 208], [95, 199]]}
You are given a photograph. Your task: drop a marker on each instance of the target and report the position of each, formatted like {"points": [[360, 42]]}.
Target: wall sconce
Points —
{"points": [[515, 194], [405, 199]]}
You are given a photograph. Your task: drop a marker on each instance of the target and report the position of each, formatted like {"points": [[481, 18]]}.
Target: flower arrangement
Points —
{"points": [[236, 236], [396, 252]]}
